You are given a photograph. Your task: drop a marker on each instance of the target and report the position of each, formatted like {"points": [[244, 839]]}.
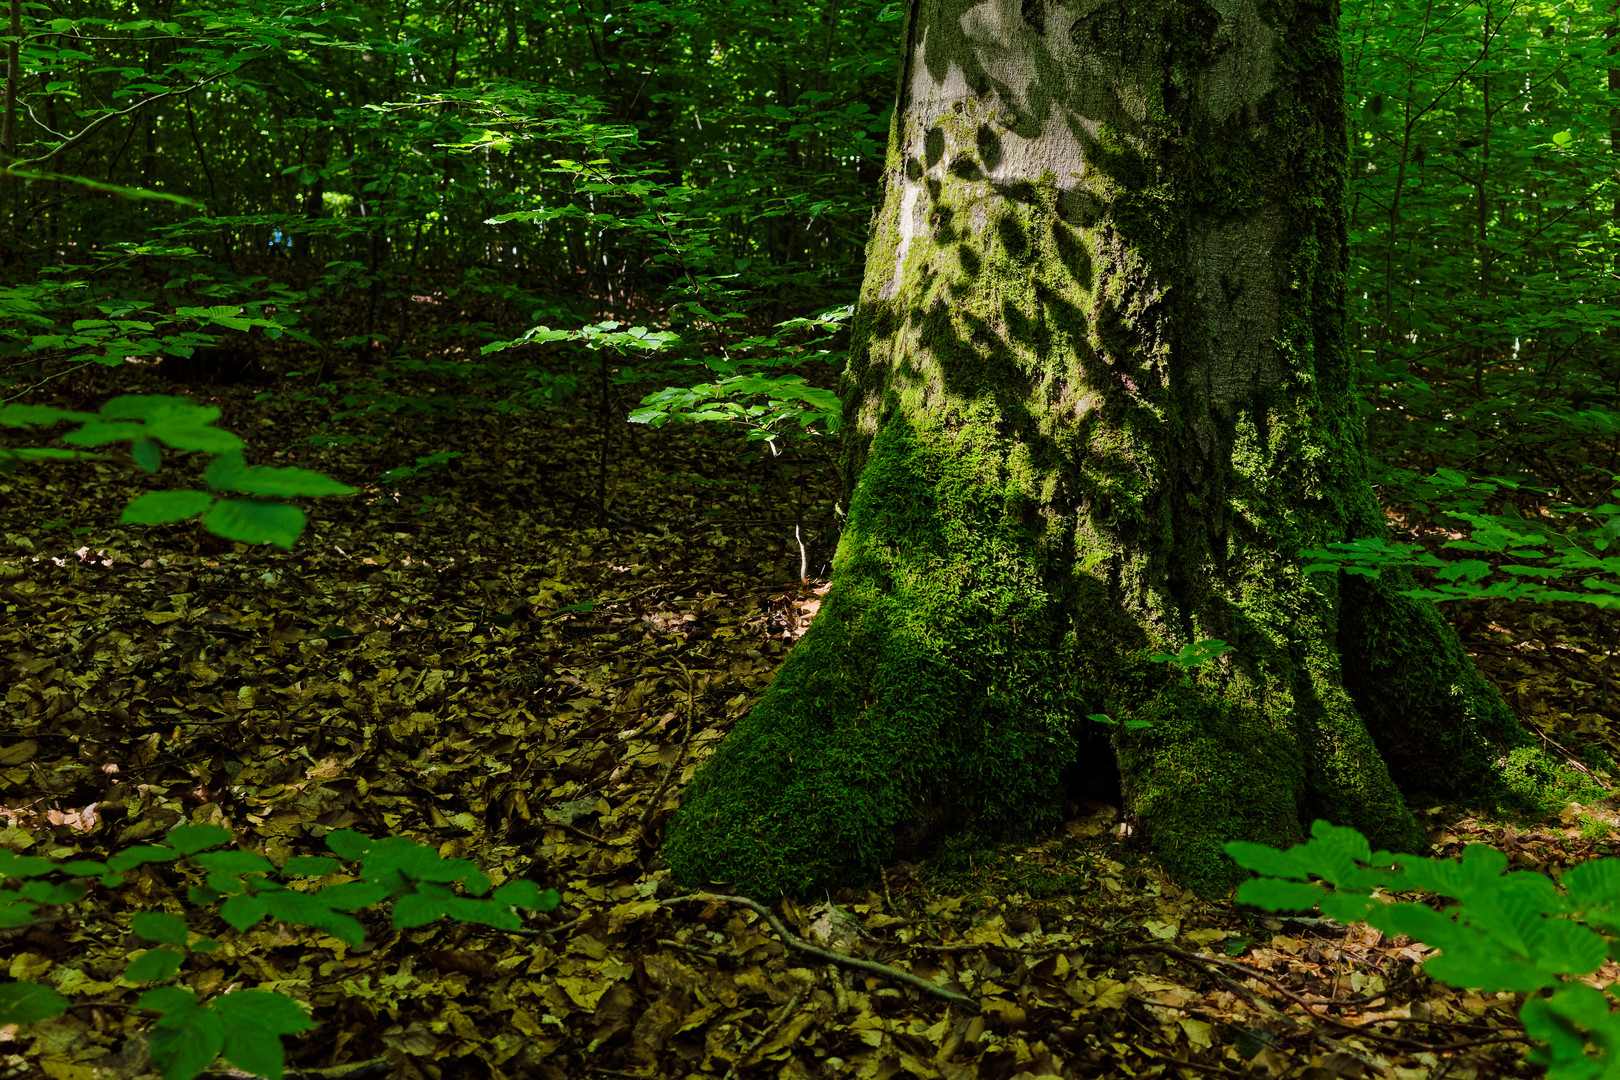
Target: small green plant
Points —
{"points": [[759, 392], [1190, 656], [1516, 931], [245, 1026], [768, 406], [1130, 724], [422, 465], [1194, 654]]}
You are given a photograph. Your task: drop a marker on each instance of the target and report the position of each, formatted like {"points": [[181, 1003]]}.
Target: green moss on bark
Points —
{"points": [[930, 694]]}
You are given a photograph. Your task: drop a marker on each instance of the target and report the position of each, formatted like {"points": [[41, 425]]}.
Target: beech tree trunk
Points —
{"points": [[1099, 398]]}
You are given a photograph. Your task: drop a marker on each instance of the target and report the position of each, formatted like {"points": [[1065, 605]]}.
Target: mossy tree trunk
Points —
{"points": [[1099, 398]]}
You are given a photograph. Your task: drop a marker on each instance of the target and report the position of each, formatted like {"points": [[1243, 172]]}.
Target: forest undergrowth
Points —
{"points": [[481, 660]]}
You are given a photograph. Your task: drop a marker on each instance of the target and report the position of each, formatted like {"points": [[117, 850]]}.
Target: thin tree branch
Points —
{"points": [[760, 1040], [884, 970], [93, 126]]}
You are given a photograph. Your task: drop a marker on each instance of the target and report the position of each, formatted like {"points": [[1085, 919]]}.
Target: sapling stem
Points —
{"points": [[798, 511]]}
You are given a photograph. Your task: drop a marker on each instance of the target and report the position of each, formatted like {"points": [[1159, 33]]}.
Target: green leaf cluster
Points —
{"points": [[1194, 653], [245, 1026], [1565, 556], [760, 393], [1515, 931]]}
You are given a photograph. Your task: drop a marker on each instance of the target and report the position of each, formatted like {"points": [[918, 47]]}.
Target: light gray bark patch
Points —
{"points": [[1027, 86], [912, 222]]}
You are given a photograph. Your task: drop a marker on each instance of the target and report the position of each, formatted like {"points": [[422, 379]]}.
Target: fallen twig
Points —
{"points": [[884, 970], [774, 1026], [1020, 950], [1364, 1030], [355, 1070]]}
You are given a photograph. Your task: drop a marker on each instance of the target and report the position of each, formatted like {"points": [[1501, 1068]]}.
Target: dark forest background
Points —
{"points": [[384, 192]]}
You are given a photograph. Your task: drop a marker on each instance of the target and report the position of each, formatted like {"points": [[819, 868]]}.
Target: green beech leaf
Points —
{"points": [[154, 965], [202, 895], [234, 862], [225, 884], [417, 862], [353, 895], [165, 507], [272, 1012], [29, 1003], [244, 911], [164, 999], [1595, 883], [526, 894], [228, 472], [97, 433], [32, 415], [133, 857], [311, 866], [253, 522], [15, 912], [83, 868], [58, 893], [253, 1022], [418, 909], [1273, 894], [24, 866], [147, 454], [185, 1042], [184, 436], [465, 909], [158, 407], [162, 927], [189, 839]]}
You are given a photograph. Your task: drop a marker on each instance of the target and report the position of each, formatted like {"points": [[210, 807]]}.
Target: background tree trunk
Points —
{"points": [[1099, 398]]}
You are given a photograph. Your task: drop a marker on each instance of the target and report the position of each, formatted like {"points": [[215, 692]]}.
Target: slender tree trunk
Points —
{"points": [[1613, 34], [8, 117], [1099, 399]]}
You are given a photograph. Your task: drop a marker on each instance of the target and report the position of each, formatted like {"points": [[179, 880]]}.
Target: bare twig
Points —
{"points": [[1020, 950], [1364, 1030], [1218, 1070], [358, 1070], [1243, 969], [106, 117], [884, 970], [577, 831], [775, 1026]]}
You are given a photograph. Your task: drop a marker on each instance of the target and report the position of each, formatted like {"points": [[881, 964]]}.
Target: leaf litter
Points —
{"points": [[484, 665]]}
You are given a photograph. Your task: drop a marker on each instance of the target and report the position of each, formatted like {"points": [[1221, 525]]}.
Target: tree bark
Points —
{"points": [[1100, 396]]}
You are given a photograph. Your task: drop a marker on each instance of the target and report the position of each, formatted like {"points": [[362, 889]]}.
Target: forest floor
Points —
{"points": [[475, 659]]}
